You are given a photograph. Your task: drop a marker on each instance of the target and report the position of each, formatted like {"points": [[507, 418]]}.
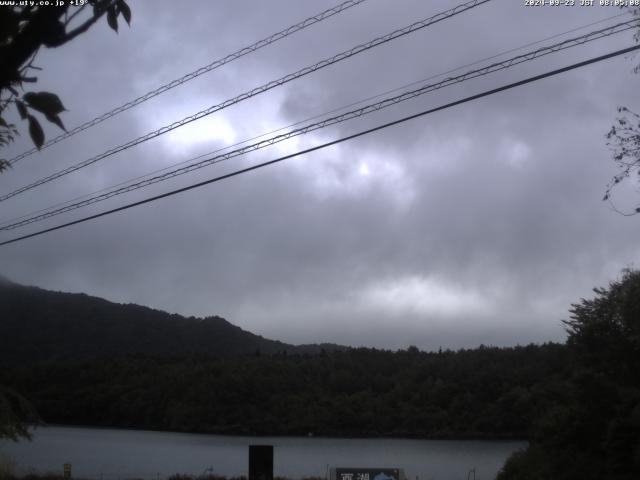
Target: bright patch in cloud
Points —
{"points": [[364, 170], [336, 173], [515, 152], [417, 294], [214, 129]]}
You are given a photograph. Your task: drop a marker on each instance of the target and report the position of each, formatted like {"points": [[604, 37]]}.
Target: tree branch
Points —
{"points": [[74, 14], [86, 25]]}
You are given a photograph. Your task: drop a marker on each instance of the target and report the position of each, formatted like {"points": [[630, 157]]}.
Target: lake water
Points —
{"points": [[120, 454]]}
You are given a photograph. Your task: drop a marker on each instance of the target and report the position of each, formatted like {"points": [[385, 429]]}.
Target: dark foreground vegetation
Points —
{"points": [[484, 393], [592, 429], [178, 476], [578, 403]]}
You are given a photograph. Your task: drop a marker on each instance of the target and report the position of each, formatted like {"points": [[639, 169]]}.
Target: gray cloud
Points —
{"points": [[478, 224]]}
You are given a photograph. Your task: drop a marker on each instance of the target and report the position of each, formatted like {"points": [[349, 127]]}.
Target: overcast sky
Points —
{"points": [[478, 224]]}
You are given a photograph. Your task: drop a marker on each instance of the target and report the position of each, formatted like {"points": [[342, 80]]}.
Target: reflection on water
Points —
{"points": [[119, 454]]}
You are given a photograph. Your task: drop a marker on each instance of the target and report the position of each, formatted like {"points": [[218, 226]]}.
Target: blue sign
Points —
{"points": [[368, 474]]}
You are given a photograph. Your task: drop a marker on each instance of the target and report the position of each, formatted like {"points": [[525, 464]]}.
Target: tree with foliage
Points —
{"points": [[16, 414], [605, 331], [593, 429], [624, 141], [24, 29]]}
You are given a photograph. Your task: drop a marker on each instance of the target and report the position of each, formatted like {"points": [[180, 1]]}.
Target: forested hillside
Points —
{"points": [[481, 393], [38, 324], [578, 404], [83, 360]]}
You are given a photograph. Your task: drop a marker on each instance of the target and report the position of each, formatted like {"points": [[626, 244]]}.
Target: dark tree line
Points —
{"points": [[481, 393]]}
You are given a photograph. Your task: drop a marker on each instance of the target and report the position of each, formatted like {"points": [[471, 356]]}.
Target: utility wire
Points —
{"points": [[256, 91], [308, 119], [328, 144], [196, 73], [374, 107], [320, 115]]}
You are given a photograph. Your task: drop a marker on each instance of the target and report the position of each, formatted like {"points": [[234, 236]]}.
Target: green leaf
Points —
{"points": [[112, 18], [45, 102], [125, 10], [99, 6], [22, 110], [56, 119], [3, 123], [35, 130]]}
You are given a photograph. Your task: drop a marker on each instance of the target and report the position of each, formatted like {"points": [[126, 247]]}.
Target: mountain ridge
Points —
{"points": [[39, 324]]}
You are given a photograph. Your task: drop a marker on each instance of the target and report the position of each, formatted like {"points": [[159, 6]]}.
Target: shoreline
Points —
{"points": [[461, 438]]}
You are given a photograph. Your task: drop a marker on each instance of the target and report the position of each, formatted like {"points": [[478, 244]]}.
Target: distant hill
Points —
{"points": [[37, 324]]}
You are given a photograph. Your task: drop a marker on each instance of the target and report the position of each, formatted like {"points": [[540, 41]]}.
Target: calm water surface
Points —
{"points": [[119, 454]]}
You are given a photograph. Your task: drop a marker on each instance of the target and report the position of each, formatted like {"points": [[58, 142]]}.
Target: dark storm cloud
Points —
{"points": [[478, 224]]}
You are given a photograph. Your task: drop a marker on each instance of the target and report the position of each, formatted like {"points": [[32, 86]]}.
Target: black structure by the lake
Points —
{"points": [[260, 462]]}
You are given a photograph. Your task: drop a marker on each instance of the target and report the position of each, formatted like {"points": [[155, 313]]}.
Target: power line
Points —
{"points": [[328, 144], [320, 115], [591, 36], [256, 91], [196, 73], [308, 119]]}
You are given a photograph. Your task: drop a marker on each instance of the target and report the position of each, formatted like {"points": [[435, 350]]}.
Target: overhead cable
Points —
{"points": [[308, 119], [328, 144], [374, 107], [194, 74], [256, 91]]}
